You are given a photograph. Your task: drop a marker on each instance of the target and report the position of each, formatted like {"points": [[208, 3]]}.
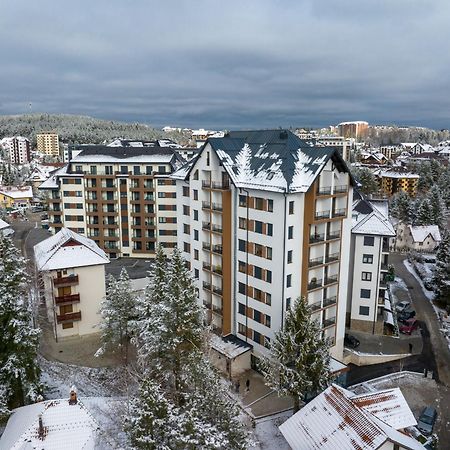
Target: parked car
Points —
{"points": [[427, 420], [351, 341], [409, 326], [399, 307], [406, 314]]}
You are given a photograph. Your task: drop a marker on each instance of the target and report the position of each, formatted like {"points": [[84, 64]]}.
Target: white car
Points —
{"points": [[399, 307]]}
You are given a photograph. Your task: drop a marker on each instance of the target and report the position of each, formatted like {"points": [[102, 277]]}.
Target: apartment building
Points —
{"points": [[48, 143], [357, 129], [121, 197], [18, 149], [72, 273], [398, 179], [263, 219], [368, 271]]}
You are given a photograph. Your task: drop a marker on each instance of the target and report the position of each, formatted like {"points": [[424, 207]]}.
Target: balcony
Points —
{"points": [[329, 322], [218, 185], [315, 262], [207, 286], [383, 284], [206, 246], [321, 215], [217, 309], [66, 281], [74, 298], [217, 290], [324, 190], [333, 235], [330, 280], [341, 189], [314, 238], [69, 317], [332, 258], [384, 267], [217, 249], [329, 301], [207, 303], [216, 329], [212, 268], [315, 306], [342, 212], [314, 284]]}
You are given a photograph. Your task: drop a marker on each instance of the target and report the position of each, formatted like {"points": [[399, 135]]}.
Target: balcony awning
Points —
{"points": [[388, 318], [387, 305]]}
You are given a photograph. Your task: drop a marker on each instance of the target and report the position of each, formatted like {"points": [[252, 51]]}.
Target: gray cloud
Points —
{"points": [[234, 64]]}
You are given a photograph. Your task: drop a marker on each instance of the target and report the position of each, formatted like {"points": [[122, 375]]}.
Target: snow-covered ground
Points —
{"points": [[267, 434]]}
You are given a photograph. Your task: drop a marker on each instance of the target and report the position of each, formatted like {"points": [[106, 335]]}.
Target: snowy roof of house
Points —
{"points": [[4, 224], [230, 346], [273, 160], [68, 249], [420, 233], [67, 427], [368, 218], [16, 192], [52, 181], [397, 174], [334, 421]]}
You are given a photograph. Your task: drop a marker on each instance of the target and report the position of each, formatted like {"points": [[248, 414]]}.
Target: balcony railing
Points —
{"points": [[217, 290], [383, 283], [315, 262], [313, 238], [70, 279], [217, 249], [331, 279], [216, 184], [69, 317], [315, 306], [331, 258], [207, 303], [324, 190], [384, 267], [339, 212], [74, 298], [330, 301], [207, 286], [206, 246], [333, 235], [320, 215], [314, 284], [340, 189], [218, 309], [329, 322]]}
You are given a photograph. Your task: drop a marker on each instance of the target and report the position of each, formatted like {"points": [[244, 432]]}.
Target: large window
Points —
{"points": [[365, 293], [364, 310], [366, 276], [369, 241], [367, 259], [258, 226]]}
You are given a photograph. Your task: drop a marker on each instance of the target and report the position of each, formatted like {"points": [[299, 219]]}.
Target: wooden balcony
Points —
{"points": [[70, 280], [73, 298], [69, 317]]}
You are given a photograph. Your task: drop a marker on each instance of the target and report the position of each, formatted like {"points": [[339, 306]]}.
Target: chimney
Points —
{"points": [[73, 396], [41, 427]]}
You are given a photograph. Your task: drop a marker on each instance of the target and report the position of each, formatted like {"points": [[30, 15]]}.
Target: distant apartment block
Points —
{"points": [[17, 148], [263, 219], [48, 143], [357, 129], [396, 180], [121, 197], [368, 271], [71, 269]]}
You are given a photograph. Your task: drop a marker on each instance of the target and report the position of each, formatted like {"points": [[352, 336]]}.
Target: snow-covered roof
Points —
{"points": [[68, 249], [230, 346], [272, 160], [4, 224], [52, 181], [334, 421], [420, 233], [66, 427], [16, 192], [368, 218], [397, 174]]}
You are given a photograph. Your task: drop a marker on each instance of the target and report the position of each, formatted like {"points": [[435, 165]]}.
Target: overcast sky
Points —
{"points": [[228, 64]]}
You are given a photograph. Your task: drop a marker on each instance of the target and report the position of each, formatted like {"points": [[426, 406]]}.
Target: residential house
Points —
{"points": [[419, 238], [264, 218], [71, 268], [12, 197], [339, 419]]}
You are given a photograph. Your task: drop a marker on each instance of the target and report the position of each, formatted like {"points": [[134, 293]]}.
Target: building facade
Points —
{"points": [[122, 198], [357, 129], [72, 273], [48, 143], [263, 219], [368, 271], [18, 149], [393, 181]]}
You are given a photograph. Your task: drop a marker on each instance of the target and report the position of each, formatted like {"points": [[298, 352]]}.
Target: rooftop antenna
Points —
{"points": [[30, 107]]}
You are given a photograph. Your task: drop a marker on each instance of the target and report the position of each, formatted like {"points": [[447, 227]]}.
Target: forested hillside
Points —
{"points": [[81, 129], [395, 135]]}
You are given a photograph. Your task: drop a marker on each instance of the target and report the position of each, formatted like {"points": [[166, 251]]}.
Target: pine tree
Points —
{"points": [[401, 207], [298, 363], [118, 312], [369, 183], [19, 373], [437, 206], [424, 213], [441, 277]]}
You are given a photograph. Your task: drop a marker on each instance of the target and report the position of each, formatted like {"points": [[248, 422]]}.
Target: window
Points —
{"points": [[67, 325], [185, 210], [185, 191], [108, 170], [256, 336], [93, 170], [258, 226], [242, 329], [365, 293], [269, 229], [269, 276], [289, 281], [196, 254], [259, 250], [242, 200], [195, 214], [186, 247], [289, 257], [241, 266], [195, 194], [267, 319], [268, 299], [241, 308], [256, 315], [269, 252], [257, 273], [196, 175], [366, 276], [364, 310], [291, 232], [136, 170], [196, 274], [291, 207], [148, 170], [186, 228], [369, 241], [195, 235], [162, 169], [207, 159], [367, 259], [259, 203], [123, 169], [288, 302], [270, 205], [242, 289], [78, 169], [242, 223], [241, 245]]}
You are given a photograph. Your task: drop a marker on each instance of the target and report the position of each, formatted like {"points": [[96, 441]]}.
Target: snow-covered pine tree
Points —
{"points": [[441, 277], [298, 363], [367, 179], [424, 213], [401, 207], [437, 206], [19, 372], [118, 312]]}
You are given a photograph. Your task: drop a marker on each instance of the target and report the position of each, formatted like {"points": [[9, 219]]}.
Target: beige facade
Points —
{"points": [[47, 143]]}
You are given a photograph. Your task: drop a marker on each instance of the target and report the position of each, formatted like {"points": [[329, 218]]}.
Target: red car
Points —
{"points": [[409, 326]]}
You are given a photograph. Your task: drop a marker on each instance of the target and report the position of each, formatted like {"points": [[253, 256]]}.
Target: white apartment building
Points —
{"points": [[18, 149], [48, 143], [121, 197], [72, 271], [263, 219], [371, 232]]}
